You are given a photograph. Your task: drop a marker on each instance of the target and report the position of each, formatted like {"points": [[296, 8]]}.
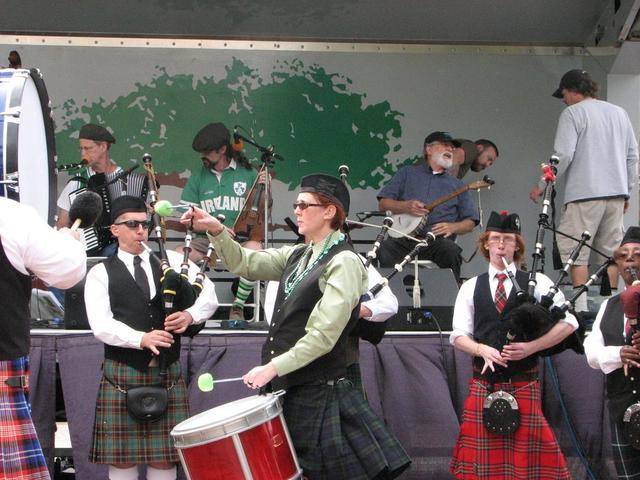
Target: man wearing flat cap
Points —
{"points": [[125, 309], [414, 187], [102, 175], [598, 159], [482, 306], [613, 346], [220, 186]]}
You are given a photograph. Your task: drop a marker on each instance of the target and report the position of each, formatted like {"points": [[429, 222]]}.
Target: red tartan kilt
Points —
{"points": [[532, 452]]}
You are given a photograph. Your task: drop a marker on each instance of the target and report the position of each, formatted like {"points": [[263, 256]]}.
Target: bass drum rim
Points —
{"points": [[12, 129]]}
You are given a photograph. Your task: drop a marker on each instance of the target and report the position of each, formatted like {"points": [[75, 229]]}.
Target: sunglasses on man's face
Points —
{"points": [[133, 224]]}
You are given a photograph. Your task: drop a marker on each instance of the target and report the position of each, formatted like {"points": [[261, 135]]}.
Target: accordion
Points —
{"points": [[108, 186]]}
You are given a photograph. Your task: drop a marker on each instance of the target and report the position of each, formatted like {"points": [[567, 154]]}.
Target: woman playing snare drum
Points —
{"points": [[334, 431]]}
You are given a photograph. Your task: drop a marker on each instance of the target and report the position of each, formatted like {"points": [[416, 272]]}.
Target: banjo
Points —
{"points": [[405, 223]]}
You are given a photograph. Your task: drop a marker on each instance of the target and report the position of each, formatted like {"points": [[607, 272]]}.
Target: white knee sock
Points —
{"points": [[157, 474], [123, 473]]}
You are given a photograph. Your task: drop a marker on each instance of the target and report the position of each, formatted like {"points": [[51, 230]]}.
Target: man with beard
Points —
{"points": [[220, 186], [473, 156], [414, 187]]}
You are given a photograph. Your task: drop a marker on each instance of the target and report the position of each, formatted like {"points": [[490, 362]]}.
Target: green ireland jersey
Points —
{"points": [[226, 195]]}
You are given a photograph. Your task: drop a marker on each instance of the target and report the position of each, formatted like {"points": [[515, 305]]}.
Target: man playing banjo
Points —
{"points": [[415, 186]]}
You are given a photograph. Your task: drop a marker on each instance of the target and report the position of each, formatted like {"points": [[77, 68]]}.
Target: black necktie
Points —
{"points": [[140, 276]]}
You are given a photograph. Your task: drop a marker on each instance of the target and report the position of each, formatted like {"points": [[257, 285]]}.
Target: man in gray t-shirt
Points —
{"points": [[598, 155]]}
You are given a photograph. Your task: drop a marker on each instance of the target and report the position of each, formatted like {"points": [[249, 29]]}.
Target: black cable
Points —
{"points": [[565, 414]]}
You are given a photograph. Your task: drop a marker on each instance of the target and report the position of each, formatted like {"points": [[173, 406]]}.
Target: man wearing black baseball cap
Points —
{"points": [[598, 151], [411, 190]]}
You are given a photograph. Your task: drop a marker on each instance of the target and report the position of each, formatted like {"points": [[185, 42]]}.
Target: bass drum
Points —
{"points": [[27, 143]]}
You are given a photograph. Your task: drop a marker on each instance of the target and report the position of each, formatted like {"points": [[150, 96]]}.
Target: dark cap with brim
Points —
{"points": [[632, 235], [211, 137], [96, 133], [127, 204], [328, 186], [504, 222], [571, 81], [442, 137]]}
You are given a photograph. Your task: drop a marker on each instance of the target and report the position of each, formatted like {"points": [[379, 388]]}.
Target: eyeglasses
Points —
{"points": [[506, 241], [305, 205], [133, 224], [623, 255]]}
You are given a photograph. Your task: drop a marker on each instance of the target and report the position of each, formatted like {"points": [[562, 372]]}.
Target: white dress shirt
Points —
{"points": [[464, 310], [33, 247], [113, 332], [599, 356]]}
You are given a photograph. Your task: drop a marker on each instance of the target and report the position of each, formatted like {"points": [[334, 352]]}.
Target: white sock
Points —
{"points": [[581, 303], [123, 473], [157, 474]]}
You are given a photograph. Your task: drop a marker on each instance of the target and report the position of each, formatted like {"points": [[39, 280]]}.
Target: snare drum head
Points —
{"points": [[227, 414], [27, 144]]}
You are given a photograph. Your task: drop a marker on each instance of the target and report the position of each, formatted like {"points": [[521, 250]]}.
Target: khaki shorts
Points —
{"points": [[601, 218]]}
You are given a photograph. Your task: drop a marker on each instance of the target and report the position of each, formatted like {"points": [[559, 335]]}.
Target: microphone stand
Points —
{"points": [[550, 171]]}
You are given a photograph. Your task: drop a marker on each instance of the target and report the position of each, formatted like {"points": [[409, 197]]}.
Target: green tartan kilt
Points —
{"points": [[337, 435], [118, 438]]}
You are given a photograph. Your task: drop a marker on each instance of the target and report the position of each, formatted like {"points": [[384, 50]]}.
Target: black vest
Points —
{"points": [[290, 319], [129, 306], [14, 310], [488, 324], [622, 391]]}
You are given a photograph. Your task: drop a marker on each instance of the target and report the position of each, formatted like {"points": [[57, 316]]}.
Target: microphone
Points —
{"points": [[343, 170], [85, 210], [377, 213], [238, 144], [72, 166]]}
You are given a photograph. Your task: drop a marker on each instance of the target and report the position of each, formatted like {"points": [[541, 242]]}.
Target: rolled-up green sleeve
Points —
{"points": [[251, 264], [342, 283]]}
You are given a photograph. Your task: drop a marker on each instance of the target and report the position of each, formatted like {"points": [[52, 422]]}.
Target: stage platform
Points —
{"points": [[416, 381]]}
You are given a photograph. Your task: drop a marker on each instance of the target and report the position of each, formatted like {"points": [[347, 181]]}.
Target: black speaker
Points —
{"points": [[75, 313], [426, 305]]}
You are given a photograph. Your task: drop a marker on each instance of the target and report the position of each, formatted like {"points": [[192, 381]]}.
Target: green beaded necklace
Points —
{"points": [[295, 277]]}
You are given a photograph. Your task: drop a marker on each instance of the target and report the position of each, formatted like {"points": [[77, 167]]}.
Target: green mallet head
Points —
{"points": [[163, 208], [205, 382]]}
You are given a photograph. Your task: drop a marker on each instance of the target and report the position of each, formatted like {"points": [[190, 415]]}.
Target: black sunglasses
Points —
{"points": [[305, 205], [135, 223]]}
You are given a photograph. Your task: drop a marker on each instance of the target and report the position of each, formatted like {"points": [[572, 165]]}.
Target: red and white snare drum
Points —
{"points": [[244, 439]]}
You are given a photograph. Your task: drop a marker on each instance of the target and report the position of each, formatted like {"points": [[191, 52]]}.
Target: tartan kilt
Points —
{"points": [[337, 435], [626, 458], [117, 437], [21, 456], [532, 452]]}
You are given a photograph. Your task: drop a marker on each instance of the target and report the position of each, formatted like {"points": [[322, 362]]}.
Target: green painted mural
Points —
{"points": [[313, 118]]}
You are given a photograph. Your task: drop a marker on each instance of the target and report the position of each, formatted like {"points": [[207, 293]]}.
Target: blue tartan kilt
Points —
{"points": [[337, 435], [117, 437], [21, 457]]}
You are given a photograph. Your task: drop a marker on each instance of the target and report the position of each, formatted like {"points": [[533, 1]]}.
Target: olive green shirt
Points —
{"points": [[342, 283], [470, 155]]}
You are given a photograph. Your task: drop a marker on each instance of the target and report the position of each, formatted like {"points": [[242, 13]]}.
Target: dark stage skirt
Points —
{"points": [[532, 452], [336, 435], [118, 438]]}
